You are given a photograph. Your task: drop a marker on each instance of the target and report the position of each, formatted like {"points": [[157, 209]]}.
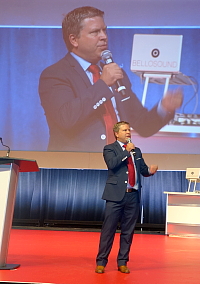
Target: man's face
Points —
{"points": [[91, 41], [124, 133]]}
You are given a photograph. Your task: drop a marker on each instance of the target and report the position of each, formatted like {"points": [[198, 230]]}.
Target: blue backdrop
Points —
{"points": [[75, 195]]}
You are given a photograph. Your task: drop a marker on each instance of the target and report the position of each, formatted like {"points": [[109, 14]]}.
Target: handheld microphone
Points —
{"points": [[106, 56], [133, 150], [8, 151]]}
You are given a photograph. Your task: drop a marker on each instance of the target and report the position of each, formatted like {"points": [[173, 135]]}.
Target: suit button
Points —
{"points": [[126, 172], [103, 137], [125, 181]]}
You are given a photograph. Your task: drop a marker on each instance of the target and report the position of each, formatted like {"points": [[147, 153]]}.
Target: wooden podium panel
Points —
{"points": [[9, 172]]}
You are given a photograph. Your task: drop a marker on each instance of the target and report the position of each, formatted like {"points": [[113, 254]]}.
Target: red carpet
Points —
{"points": [[68, 257]]}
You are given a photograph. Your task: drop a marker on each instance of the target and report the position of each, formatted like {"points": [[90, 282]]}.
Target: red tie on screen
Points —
{"points": [[131, 170], [109, 115]]}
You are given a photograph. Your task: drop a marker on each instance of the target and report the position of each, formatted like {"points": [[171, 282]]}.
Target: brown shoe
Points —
{"points": [[123, 269], [99, 269]]}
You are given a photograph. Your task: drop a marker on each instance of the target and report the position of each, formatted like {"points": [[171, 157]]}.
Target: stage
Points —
{"points": [[68, 257]]}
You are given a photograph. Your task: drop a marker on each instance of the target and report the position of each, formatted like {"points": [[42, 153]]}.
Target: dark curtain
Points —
{"points": [[67, 194]]}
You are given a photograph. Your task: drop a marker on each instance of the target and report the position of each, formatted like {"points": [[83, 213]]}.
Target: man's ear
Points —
{"points": [[116, 134], [73, 40]]}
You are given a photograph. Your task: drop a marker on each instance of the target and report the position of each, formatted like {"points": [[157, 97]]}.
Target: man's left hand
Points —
{"points": [[153, 169]]}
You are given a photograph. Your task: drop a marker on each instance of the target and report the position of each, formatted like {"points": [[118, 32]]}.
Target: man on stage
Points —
{"points": [[122, 194]]}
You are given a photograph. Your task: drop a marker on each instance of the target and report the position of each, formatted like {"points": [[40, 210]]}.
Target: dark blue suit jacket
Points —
{"points": [[116, 161], [74, 108]]}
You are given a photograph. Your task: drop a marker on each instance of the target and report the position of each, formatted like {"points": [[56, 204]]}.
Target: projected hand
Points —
{"points": [[172, 100], [111, 73]]}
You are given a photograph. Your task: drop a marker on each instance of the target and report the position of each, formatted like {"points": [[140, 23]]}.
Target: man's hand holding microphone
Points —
{"points": [[131, 148]]}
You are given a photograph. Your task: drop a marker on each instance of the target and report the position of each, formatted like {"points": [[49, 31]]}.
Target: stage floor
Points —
{"points": [[68, 257]]}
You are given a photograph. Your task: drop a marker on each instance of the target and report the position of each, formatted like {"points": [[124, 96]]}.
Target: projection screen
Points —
{"points": [[26, 51]]}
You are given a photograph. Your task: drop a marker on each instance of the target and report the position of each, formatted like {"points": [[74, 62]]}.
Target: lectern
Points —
{"points": [[9, 171]]}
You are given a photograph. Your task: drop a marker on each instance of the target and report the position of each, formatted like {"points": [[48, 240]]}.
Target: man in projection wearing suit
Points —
{"points": [[80, 109], [122, 194]]}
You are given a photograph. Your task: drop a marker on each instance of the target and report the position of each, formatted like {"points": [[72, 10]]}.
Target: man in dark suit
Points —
{"points": [[75, 105], [122, 195]]}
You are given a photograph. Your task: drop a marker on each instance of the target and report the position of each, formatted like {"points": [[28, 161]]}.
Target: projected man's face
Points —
{"points": [[91, 41]]}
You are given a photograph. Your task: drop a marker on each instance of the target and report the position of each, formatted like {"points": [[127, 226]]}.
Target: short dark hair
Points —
{"points": [[116, 127], [72, 22]]}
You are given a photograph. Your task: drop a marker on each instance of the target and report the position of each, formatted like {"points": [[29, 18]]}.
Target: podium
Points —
{"points": [[9, 172], [183, 214]]}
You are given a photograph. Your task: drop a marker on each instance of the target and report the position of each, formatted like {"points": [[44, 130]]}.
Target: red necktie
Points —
{"points": [[109, 116], [131, 170]]}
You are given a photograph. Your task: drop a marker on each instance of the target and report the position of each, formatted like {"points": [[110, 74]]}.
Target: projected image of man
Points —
{"points": [[83, 96]]}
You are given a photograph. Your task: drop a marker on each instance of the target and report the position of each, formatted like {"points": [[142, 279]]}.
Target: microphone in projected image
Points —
{"points": [[8, 151], [107, 58], [133, 150]]}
